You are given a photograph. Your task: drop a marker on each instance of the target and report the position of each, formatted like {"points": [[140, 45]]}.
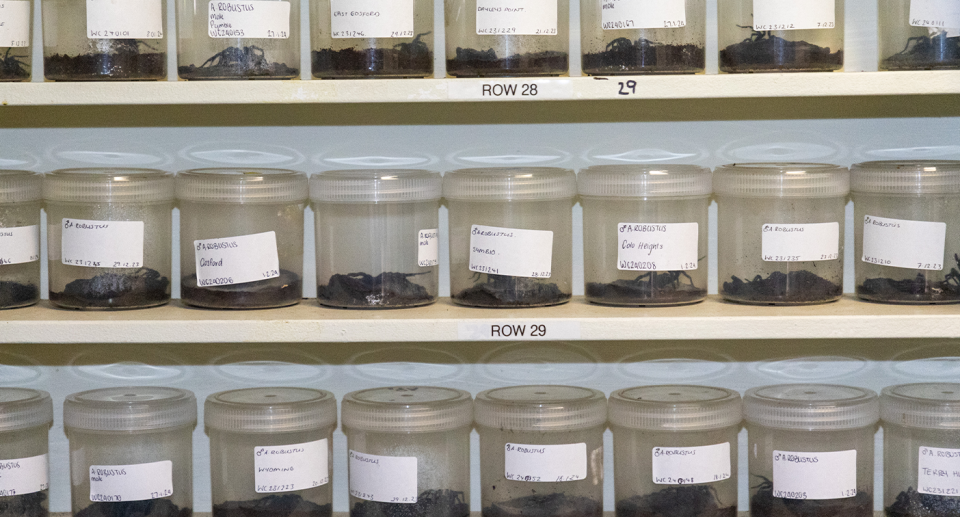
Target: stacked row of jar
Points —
{"points": [[541, 450], [226, 39]]}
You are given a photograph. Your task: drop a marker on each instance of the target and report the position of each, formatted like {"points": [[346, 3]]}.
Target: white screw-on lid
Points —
{"points": [[541, 408], [932, 405], [811, 407], [510, 184], [20, 186], [903, 177], [99, 185], [407, 409], [135, 408], [644, 181], [781, 180], [375, 186], [675, 408], [242, 186], [270, 410], [22, 408]]}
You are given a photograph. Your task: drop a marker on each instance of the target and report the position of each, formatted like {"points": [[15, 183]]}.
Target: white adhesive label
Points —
{"points": [[511, 251], [515, 89], [657, 247], [545, 463], [940, 14], [371, 18], [237, 260], [904, 243], [249, 19], [19, 245], [691, 465], [785, 15], [642, 14], [24, 475], [14, 23], [116, 483], [124, 19], [112, 244], [814, 475], [800, 242], [518, 330], [428, 248], [517, 17], [939, 471], [285, 468], [385, 479]]}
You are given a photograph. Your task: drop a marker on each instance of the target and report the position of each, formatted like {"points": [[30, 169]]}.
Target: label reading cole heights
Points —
{"points": [[24, 476], [657, 247], [800, 242], [517, 17], [384, 479], [237, 260], [124, 19], [249, 19], [428, 248], [113, 244], [941, 14], [19, 245], [14, 24], [545, 463], [371, 18], [511, 252], [691, 465], [814, 475], [939, 471], [642, 14], [904, 243], [784, 15], [116, 483], [285, 468]]}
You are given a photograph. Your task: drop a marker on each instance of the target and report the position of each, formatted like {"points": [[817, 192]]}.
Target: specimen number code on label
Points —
{"points": [[517, 17], [285, 468], [19, 245], [691, 465], [127, 19], [140, 482], [385, 479], [14, 23], [903, 243], [249, 19], [815, 475], [800, 242], [642, 14], [109, 244], [237, 260], [781, 15], [371, 19], [545, 463]]}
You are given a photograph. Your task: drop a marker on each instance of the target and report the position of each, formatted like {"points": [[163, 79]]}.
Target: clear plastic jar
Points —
{"points": [[510, 236], [131, 451], [774, 36], [377, 237], [238, 40], [675, 450], [108, 237], [20, 201], [917, 35], [104, 40], [811, 449], [241, 237], [409, 451], [271, 451], [646, 233], [483, 40], [25, 419], [907, 231], [16, 40], [921, 449], [634, 37], [541, 451], [780, 232], [349, 44]]}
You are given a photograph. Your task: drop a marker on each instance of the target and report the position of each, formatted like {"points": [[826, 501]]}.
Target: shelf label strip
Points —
{"points": [[513, 330], [514, 89]]}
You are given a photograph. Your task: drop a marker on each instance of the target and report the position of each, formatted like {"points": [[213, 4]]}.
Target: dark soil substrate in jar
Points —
{"points": [[916, 290], [512, 291], [288, 505], [366, 291], [764, 504], [793, 287], [284, 290], [14, 67], [623, 56], [149, 508], [238, 63], [142, 287], [481, 63], [926, 53], [546, 505], [430, 503], [763, 51], [412, 59], [26, 505], [676, 501], [15, 294], [667, 288], [123, 61], [914, 504]]}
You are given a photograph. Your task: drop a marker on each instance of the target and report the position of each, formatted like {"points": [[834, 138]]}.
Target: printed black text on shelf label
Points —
{"points": [[285, 468], [545, 463], [111, 244], [518, 330], [249, 19], [19, 245], [141, 482], [800, 242], [691, 465], [129, 19], [940, 14], [781, 15], [384, 479], [642, 14], [517, 17], [519, 89], [14, 25], [371, 18], [814, 475], [428, 248], [657, 247], [511, 251], [939, 471], [237, 260], [904, 243], [24, 476]]}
